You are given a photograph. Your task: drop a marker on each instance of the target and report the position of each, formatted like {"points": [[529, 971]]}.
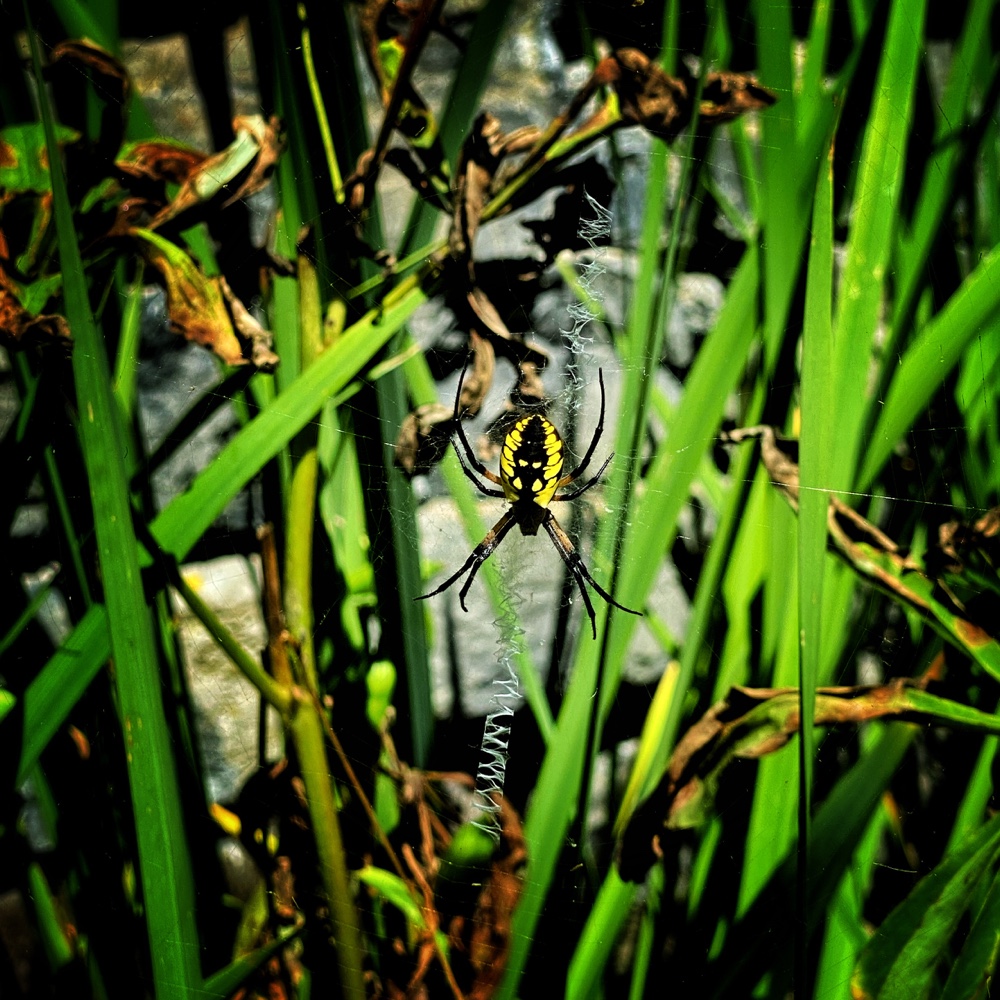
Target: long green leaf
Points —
{"points": [[815, 451], [901, 959], [971, 974], [763, 937], [873, 219], [167, 881], [971, 57], [50, 697], [930, 359]]}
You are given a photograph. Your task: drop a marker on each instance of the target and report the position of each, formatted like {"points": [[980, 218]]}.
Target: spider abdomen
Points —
{"points": [[531, 461]]}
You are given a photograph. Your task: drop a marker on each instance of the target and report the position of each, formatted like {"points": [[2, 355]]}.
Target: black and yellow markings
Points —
{"points": [[532, 452], [531, 460]]}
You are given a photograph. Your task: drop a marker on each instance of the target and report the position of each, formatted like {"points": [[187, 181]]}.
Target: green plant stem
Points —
{"points": [[70, 534], [128, 342], [336, 178], [308, 734], [271, 691], [299, 562]]}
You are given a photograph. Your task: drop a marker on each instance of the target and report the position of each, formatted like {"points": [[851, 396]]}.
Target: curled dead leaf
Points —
{"points": [[486, 937], [487, 313], [479, 377], [748, 723], [270, 140], [159, 161], [84, 53], [73, 62], [203, 309], [646, 95], [726, 96], [481, 154], [663, 104], [18, 326], [241, 169], [423, 438], [779, 454], [957, 540], [262, 357]]}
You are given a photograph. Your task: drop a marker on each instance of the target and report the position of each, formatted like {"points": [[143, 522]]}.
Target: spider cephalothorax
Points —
{"points": [[531, 463]]}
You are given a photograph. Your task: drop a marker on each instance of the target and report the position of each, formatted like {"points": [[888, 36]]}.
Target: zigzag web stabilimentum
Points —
{"points": [[496, 734], [505, 695]]}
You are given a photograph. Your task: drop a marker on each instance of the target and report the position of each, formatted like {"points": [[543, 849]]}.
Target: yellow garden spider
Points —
{"points": [[531, 462]]}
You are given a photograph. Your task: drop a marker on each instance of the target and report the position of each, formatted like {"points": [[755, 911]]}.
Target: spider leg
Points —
{"points": [[480, 554], [578, 471], [470, 454], [593, 482], [579, 570], [475, 482]]}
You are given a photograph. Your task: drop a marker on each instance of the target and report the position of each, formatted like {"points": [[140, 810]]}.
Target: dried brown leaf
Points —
{"points": [[487, 313], [271, 140], [160, 161], [101, 65], [479, 377], [262, 356], [726, 96], [957, 539], [481, 155], [196, 304], [485, 937], [423, 438], [662, 104], [241, 169], [748, 723], [19, 325], [779, 454], [646, 95]]}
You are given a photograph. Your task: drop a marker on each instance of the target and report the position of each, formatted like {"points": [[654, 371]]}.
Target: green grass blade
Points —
{"points": [[762, 937], [971, 973], [874, 215], [716, 371], [609, 911], [50, 697], [929, 360], [940, 173], [901, 959], [977, 794], [845, 932], [226, 981], [815, 452], [167, 882], [392, 408], [611, 908]]}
